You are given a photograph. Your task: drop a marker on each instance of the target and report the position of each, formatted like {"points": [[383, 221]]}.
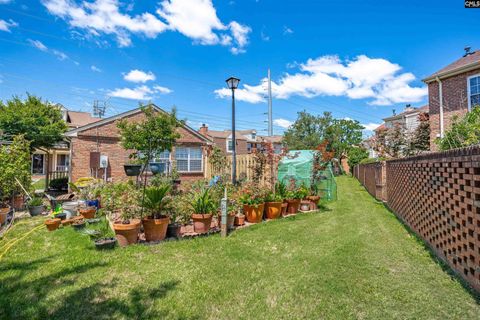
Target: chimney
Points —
{"points": [[203, 129], [467, 51], [408, 107]]}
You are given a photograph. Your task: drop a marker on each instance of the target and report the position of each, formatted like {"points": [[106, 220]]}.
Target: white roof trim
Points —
{"points": [[74, 132]]}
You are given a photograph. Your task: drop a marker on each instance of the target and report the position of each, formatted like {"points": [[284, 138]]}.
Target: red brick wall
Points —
{"points": [[438, 196], [373, 177], [455, 102], [222, 144], [108, 143]]}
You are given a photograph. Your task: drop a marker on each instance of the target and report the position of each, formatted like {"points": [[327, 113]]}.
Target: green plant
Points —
{"points": [[463, 132], [281, 189], [252, 195], [273, 197], [35, 202], [59, 183], [14, 165], [101, 230], [203, 203], [314, 189], [157, 200], [298, 193]]}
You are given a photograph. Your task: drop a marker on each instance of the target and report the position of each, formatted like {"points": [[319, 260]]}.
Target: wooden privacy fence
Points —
{"points": [[245, 164], [438, 196]]}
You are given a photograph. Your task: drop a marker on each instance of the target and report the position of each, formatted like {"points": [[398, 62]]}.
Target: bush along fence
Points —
{"points": [[438, 196]]}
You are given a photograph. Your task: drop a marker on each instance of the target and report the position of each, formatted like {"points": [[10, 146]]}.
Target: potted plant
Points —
{"points": [[4, 210], [253, 202], [203, 208], [133, 167], [128, 226], [78, 224], [281, 190], [157, 203], [104, 239], [52, 224], [87, 212], [273, 205], [314, 196]]}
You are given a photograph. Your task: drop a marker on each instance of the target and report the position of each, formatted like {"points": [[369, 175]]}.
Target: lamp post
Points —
{"points": [[232, 83]]}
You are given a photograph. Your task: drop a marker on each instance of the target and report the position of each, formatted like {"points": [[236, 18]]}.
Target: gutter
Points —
{"points": [[440, 97], [454, 72]]}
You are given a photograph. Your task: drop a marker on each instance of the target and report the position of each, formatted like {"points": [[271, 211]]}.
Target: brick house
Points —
{"points": [[101, 140], [453, 90], [246, 140]]}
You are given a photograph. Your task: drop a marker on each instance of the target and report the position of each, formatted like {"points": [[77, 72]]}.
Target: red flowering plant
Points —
{"points": [[252, 195]]}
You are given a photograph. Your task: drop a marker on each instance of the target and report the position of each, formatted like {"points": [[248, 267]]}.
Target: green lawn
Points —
{"points": [[352, 261], [39, 185]]}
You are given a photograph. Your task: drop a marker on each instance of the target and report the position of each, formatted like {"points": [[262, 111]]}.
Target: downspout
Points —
{"points": [[440, 96]]}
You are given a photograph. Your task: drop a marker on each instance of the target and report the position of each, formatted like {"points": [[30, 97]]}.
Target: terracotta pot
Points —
{"points": [[155, 229], [18, 202], [3, 215], [127, 233], [273, 210], [239, 220], [67, 222], [230, 220], [284, 208], [201, 222], [305, 205], [293, 205], [313, 202], [52, 224], [88, 213], [253, 214]]}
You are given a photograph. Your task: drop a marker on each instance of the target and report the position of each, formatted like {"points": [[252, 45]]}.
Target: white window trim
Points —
{"points": [[468, 90], [189, 159], [226, 147]]}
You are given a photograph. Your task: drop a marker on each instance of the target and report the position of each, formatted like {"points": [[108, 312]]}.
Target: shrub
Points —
{"points": [[203, 203], [35, 202], [59, 184], [464, 132]]}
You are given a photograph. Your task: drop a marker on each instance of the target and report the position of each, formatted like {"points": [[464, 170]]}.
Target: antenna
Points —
{"points": [[99, 109]]}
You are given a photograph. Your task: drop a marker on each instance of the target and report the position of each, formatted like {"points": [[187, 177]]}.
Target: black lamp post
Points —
{"points": [[232, 83]]}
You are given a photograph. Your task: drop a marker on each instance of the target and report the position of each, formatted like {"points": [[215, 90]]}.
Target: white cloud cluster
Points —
{"points": [[284, 123], [196, 19], [361, 78], [95, 69], [40, 46], [6, 25], [142, 92], [138, 76]]}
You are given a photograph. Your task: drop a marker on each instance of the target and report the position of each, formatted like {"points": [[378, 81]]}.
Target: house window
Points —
{"points": [[163, 157], [62, 162], [474, 91], [38, 164], [189, 159], [229, 146]]}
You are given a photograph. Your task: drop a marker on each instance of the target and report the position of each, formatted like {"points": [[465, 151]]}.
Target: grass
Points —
{"points": [[39, 185], [354, 260]]}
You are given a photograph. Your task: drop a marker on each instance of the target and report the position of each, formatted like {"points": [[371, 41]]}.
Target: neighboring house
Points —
{"points": [[408, 119], [453, 90], [246, 140], [55, 161], [101, 140]]}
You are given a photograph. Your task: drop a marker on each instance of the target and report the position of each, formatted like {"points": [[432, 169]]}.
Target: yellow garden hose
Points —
{"points": [[10, 244]]}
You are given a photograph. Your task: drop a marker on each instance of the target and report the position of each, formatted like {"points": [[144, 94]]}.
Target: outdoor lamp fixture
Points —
{"points": [[232, 83]]}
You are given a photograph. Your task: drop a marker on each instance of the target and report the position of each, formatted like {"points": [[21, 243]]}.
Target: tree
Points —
{"points": [[308, 131], [342, 135], [14, 163], [464, 132], [420, 140], [38, 121], [356, 155]]}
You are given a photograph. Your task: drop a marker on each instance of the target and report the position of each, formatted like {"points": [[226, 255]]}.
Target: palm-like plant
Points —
{"points": [[157, 200], [281, 189], [203, 203]]}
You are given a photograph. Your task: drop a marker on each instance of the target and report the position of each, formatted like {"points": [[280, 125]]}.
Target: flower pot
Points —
{"points": [[157, 167], [70, 208], [4, 214], [78, 225], [305, 205], [293, 205], [239, 220], [52, 224], [132, 170], [253, 214], [36, 210], [284, 208], [230, 220], [127, 233], [67, 222], [273, 210], [314, 202], [155, 229], [105, 243], [18, 202], [93, 203], [88, 213], [173, 230], [201, 222]]}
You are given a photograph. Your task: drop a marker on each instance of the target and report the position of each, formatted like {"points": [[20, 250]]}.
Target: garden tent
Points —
{"points": [[298, 165]]}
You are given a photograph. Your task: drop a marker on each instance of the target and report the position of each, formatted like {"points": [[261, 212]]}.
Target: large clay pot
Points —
{"points": [[201, 222], [284, 208], [88, 213], [52, 224], [127, 233], [239, 220], [273, 210], [293, 205], [253, 214], [3, 215], [305, 205], [18, 202], [155, 229], [313, 202]]}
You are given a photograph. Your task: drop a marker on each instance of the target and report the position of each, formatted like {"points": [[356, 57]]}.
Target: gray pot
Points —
{"points": [[36, 210]]}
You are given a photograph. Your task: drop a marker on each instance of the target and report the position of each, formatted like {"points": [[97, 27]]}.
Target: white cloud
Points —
{"points": [[371, 126], [361, 78], [95, 69], [5, 1], [39, 45], [284, 123], [6, 25], [139, 76], [196, 19], [61, 56], [287, 30], [264, 36], [141, 93]]}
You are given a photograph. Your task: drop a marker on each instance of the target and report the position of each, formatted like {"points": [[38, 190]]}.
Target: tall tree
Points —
{"points": [[342, 135], [355, 155], [38, 121], [308, 131], [420, 139]]}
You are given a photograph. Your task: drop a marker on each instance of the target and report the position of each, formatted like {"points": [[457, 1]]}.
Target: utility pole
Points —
{"points": [[270, 123], [234, 142]]}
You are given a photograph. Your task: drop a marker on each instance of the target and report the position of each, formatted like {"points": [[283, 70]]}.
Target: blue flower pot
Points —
{"points": [[157, 167], [93, 203]]}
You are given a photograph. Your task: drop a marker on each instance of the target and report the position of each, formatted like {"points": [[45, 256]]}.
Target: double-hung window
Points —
{"points": [[474, 91], [189, 159], [229, 145]]}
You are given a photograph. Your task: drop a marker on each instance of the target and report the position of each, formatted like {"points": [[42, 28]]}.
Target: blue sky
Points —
{"points": [[357, 59]]}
